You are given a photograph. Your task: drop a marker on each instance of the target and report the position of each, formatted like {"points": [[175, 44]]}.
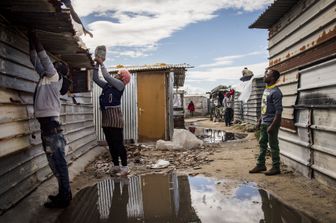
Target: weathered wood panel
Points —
{"points": [[23, 164]]}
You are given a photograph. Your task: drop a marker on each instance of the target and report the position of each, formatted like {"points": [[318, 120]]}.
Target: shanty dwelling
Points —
{"points": [[147, 103], [23, 164], [250, 110], [302, 46], [178, 108], [201, 103]]}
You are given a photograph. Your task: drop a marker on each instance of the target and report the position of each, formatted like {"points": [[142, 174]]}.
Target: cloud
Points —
{"points": [[228, 60], [192, 90], [144, 23], [229, 73]]}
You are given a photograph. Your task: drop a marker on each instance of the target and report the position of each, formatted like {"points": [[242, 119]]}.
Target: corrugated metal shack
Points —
{"points": [[302, 46], [23, 164], [147, 103], [251, 110]]}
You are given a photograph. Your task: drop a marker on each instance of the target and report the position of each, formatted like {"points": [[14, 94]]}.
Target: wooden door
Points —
{"points": [[151, 105]]}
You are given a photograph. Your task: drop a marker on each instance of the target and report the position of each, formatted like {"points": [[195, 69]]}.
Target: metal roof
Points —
{"points": [[54, 26], [151, 67], [273, 13], [178, 69]]}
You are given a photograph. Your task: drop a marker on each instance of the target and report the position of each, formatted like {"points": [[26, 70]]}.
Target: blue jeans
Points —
{"points": [[53, 146]]}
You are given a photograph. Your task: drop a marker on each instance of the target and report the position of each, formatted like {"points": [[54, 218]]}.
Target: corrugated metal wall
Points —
{"points": [[317, 97], [129, 110], [302, 45], [251, 110], [23, 164], [238, 108]]}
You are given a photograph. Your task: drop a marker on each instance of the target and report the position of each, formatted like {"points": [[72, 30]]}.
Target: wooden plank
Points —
{"points": [[74, 145], [73, 136], [17, 193], [13, 145], [15, 55], [12, 112], [12, 161], [12, 129], [17, 84], [75, 126], [13, 178], [12, 96], [13, 38], [76, 117], [9, 68], [84, 149], [78, 109]]}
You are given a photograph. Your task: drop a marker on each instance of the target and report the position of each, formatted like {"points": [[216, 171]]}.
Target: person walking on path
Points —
{"points": [[47, 107], [269, 124], [228, 106], [112, 119], [191, 108]]}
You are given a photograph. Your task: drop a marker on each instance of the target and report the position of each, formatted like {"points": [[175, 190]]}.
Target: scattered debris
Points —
{"points": [[142, 158]]}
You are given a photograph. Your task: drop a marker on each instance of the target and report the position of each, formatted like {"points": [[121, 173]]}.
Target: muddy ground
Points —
{"points": [[227, 160]]}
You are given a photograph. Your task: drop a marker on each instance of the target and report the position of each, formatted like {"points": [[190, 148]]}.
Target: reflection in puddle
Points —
{"points": [[218, 136], [172, 198]]}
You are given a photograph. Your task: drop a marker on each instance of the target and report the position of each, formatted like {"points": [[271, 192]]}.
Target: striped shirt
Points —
{"points": [[112, 117]]}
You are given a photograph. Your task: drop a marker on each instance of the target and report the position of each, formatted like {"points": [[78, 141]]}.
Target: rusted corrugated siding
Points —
{"points": [[22, 161], [302, 40], [302, 46]]}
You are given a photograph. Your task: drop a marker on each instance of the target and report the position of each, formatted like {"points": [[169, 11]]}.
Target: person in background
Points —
{"points": [[47, 108], [191, 108], [112, 119], [228, 105], [269, 124]]}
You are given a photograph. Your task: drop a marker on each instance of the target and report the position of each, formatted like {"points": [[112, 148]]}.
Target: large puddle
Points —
{"points": [[176, 199]]}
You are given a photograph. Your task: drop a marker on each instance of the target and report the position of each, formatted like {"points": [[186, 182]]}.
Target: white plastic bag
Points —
{"points": [[182, 139], [160, 164]]}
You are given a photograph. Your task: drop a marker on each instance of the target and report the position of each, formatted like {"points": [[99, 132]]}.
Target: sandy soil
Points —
{"points": [[230, 160]]}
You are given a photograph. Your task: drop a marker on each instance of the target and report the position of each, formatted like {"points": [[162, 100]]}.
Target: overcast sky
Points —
{"points": [[211, 35]]}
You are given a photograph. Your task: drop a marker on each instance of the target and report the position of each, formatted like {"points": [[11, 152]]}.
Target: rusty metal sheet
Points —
{"points": [[302, 21], [323, 52], [301, 42]]}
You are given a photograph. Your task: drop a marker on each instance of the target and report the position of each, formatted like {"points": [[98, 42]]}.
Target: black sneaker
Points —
{"points": [[54, 197], [57, 204], [57, 197], [273, 171], [258, 169]]}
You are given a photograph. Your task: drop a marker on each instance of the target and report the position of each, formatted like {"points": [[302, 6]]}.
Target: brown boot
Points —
{"points": [[258, 169], [273, 171]]}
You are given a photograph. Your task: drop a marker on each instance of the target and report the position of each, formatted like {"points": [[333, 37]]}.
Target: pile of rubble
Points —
{"points": [[146, 158]]}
